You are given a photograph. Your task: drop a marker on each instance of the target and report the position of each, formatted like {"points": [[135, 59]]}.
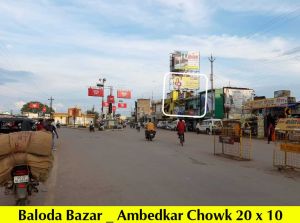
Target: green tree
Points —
{"points": [[26, 108]]}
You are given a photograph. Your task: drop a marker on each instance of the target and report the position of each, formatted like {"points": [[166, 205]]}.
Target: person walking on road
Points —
{"points": [[270, 132], [52, 128]]}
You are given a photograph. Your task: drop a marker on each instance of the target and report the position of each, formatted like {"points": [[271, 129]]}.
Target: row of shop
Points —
{"points": [[228, 103]]}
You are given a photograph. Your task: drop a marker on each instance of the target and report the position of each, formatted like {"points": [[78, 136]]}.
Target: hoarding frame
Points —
{"points": [[164, 92]]}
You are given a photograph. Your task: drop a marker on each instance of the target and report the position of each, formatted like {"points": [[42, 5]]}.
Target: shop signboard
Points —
{"points": [[179, 110], [269, 103], [286, 124], [95, 92]]}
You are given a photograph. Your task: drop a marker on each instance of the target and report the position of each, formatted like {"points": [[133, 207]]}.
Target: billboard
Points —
{"points": [[95, 92], [185, 82], [124, 94], [235, 99], [74, 112], [185, 61], [282, 93]]}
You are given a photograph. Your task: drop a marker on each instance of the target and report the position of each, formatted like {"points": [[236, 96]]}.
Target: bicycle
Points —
{"points": [[181, 140]]}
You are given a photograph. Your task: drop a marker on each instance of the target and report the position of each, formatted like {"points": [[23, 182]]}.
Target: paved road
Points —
{"points": [[121, 168]]}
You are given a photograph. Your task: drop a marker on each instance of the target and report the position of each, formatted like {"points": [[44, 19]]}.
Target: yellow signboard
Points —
{"points": [[190, 82], [288, 124]]}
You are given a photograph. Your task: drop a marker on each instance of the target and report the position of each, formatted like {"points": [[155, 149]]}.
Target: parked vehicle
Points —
{"points": [[162, 124], [210, 126], [172, 125]]}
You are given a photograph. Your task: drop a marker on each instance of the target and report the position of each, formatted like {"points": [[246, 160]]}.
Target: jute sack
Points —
{"points": [[40, 174], [4, 144], [42, 162], [40, 165], [40, 143], [6, 166], [19, 141]]}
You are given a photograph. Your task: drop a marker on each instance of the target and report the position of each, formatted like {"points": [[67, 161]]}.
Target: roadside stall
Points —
{"points": [[287, 151]]}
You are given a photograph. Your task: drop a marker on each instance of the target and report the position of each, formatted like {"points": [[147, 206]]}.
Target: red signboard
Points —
{"points": [[105, 104], [44, 109], [96, 92], [110, 99], [122, 105], [34, 105], [124, 94], [114, 108]]}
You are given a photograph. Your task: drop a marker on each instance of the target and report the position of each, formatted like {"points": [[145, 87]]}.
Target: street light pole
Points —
{"points": [[102, 81]]}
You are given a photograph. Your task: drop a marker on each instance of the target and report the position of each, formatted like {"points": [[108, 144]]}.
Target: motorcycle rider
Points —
{"points": [[149, 127], [181, 128]]}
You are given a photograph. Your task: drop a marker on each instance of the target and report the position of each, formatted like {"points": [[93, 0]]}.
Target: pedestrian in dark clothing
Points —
{"points": [[270, 132], [51, 128]]}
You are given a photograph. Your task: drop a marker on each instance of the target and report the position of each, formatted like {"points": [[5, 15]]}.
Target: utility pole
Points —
{"points": [[212, 59], [51, 99]]}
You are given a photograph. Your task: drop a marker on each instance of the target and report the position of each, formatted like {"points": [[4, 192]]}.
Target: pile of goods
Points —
{"points": [[26, 148]]}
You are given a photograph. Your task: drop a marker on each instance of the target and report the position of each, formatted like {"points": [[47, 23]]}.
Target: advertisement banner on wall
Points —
{"points": [[185, 82], [124, 94], [185, 61], [208, 104], [95, 92], [235, 99]]}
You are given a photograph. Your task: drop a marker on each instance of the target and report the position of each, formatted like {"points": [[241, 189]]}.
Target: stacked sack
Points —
{"points": [[26, 148]]}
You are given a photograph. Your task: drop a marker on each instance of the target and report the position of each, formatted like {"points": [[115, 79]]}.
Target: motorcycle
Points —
{"points": [[22, 184], [150, 135]]}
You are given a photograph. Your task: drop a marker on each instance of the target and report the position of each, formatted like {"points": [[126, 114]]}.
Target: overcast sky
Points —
{"points": [[59, 48]]}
